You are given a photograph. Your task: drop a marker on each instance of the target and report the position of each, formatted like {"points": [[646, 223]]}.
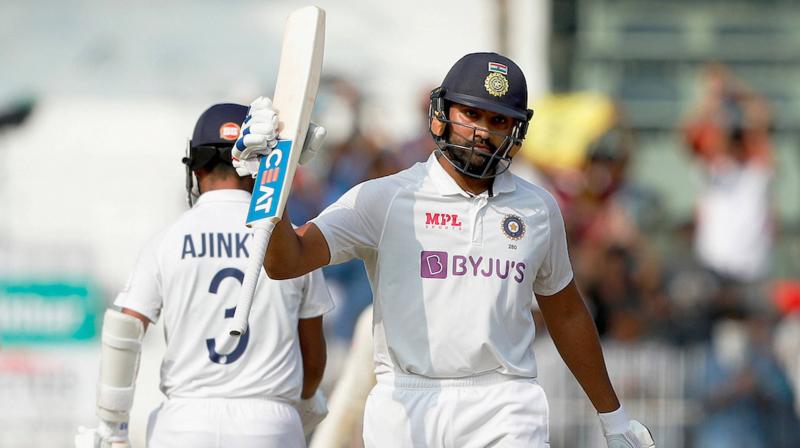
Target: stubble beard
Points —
{"points": [[472, 160]]}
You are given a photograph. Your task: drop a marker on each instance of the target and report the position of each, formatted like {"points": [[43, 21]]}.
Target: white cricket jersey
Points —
{"points": [[452, 275], [191, 274]]}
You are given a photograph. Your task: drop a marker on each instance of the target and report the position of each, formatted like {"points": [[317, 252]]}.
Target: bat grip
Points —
{"points": [[261, 234]]}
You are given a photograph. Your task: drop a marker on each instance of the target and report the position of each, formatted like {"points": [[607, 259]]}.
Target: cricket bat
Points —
{"points": [[295, 92]]}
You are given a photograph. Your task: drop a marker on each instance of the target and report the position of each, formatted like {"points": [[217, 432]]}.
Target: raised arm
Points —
{"points": [[290, 252], [293, 252]]}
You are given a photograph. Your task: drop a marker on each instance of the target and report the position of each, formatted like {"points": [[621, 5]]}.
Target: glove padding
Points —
{"points": [[637, 436], [259, 131], [259, 135], [106, 435], [312, 411]]}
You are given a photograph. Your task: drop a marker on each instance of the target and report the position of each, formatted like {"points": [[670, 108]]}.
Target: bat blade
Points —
{"points": [[295, 93]]}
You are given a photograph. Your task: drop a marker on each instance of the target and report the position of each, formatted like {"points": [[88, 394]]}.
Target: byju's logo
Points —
{"points": [[433, 264], [442, 221]]}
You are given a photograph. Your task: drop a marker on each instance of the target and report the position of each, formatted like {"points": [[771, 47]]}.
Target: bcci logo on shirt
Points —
{"points": [[269, 182], [513, 227], [445, 221]]}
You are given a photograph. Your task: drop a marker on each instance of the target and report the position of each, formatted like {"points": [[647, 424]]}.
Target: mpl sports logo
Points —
{"points": [[438, 264], [445, 221], [269, 182]]}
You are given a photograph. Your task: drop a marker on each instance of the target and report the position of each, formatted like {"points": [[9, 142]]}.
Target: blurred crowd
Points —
{"points": [[703, 281]]}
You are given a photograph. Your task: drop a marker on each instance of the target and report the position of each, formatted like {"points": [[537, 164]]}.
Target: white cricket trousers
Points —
{"points": [[490, 410], [224, 423]]}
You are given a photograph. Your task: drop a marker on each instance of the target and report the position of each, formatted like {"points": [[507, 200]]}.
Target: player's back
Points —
{"points": [[199, 266]]}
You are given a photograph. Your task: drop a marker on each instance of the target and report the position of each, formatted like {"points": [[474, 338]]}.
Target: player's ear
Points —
{"points": [[437, 127]]}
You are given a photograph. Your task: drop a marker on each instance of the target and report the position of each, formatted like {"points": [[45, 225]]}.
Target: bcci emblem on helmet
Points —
{"points": [[496, 82]]}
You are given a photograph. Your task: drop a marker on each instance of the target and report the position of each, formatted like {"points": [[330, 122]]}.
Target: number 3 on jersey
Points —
{"points": [[211, 343]]}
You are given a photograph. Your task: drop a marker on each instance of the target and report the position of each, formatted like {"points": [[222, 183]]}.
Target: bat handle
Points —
{"points": [[261, 234]]}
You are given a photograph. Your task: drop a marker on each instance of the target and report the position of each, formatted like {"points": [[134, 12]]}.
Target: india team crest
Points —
{"points": [[496, 82], [513, 227]]}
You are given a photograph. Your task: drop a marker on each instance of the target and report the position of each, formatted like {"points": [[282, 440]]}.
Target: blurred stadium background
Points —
{"points": [[650, 115]]}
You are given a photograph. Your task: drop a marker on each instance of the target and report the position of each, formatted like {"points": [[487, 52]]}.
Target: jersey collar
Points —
{"points": [[446, 185], [231, 195]]}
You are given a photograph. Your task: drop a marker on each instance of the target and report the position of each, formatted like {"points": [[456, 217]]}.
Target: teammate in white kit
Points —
{"points": [[260, 393], [456, 249]]}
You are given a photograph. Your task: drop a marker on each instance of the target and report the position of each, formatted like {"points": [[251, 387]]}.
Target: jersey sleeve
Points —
{"points": [[142, 292], [556, 270], [353, 224], [316, 299]]}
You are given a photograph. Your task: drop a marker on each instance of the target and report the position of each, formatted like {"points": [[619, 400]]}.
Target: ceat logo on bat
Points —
{"points": [[229, 131], [269, 182]]}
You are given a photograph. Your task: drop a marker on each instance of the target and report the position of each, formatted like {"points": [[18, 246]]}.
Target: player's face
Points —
{"points": [[484, 129]]}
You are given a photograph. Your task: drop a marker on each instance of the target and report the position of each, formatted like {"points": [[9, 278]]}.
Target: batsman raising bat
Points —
{"points": [[262, 392], [456, 250]]}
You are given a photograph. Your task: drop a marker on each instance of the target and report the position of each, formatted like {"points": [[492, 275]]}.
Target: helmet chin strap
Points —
{"points": [[192, 193], [189, 186]]}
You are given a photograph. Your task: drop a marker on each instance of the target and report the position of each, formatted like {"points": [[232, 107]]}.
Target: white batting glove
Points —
{"points": [[106, 435], [637, 436], [623, 433], [258, 135], [312, 411]]}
